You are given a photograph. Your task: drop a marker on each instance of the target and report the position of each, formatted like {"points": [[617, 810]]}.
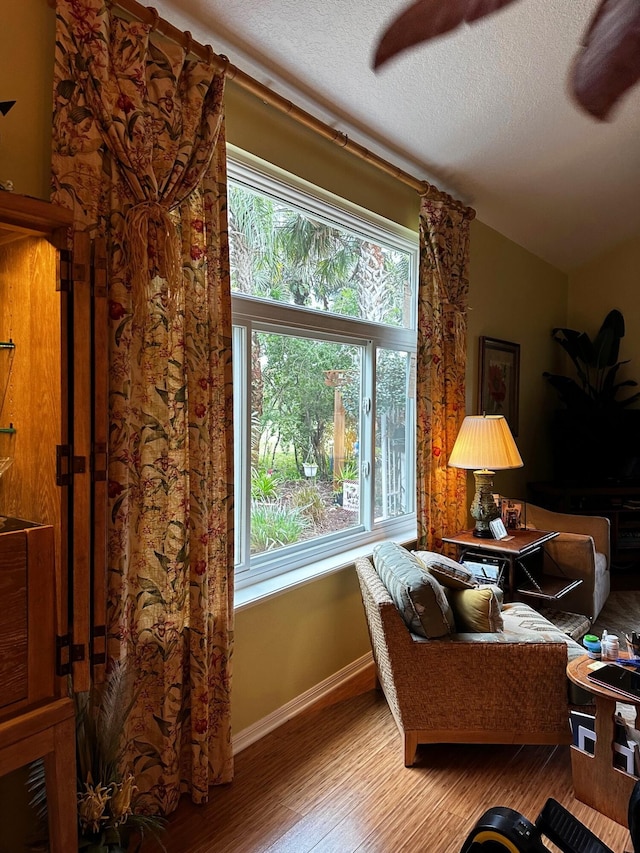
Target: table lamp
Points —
{"points": [[484, 445]]}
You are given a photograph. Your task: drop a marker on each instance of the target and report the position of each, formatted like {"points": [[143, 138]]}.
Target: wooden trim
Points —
{"points": [[41, 631], [81, 481], [27, 215], [99, 458], [353, 679]]}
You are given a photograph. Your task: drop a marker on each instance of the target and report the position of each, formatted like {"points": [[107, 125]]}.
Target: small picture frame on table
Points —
{"points": [[514, 514], [498, 529], [499, 380]]}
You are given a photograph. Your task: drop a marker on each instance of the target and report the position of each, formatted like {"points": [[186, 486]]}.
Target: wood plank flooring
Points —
{"points": [[333, 781]]}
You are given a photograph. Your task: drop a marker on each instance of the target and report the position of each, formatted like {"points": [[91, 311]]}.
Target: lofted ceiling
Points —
{"points": [[483, 112]]}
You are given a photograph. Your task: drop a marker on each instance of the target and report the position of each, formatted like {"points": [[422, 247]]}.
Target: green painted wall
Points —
{"points": [[26, 71], [289, 643], [612, 280]]}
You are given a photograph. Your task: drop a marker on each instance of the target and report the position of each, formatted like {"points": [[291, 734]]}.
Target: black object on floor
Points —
{"points": [[502, 829]]}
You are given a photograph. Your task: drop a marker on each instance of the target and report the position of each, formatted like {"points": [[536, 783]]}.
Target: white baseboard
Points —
{"points": [[301, 703]]}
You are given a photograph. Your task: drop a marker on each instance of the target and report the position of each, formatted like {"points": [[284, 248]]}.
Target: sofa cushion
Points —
{"points": [[449, 573], [476, 609], [416, 593]]}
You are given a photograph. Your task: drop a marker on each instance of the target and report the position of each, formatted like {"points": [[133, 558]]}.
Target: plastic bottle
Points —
{"points": [[593, 646], [613, 647]]}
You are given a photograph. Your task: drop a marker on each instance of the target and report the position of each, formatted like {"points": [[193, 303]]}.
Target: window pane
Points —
{"points": [[283, 254], [305, 405], [394, 434]]}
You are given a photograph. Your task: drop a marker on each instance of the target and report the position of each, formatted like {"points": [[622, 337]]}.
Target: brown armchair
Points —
{"points": [[581, 550], [464, 688]]}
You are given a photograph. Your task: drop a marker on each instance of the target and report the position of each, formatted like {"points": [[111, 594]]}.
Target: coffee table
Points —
{"points": [[596, 781]]}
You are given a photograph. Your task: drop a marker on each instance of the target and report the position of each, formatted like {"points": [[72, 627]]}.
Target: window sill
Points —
{"points": [[261, 590]]}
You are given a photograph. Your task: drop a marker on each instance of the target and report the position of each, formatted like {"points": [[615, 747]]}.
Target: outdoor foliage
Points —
{"points": [[275, 524], [264, 485], [303, 389]]}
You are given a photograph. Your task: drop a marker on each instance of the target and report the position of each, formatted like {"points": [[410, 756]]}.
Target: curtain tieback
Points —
{"points": [[163, 260], [456, 324]]}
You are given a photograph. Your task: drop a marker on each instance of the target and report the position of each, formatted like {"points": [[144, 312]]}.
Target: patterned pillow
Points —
{"points": [[476, 609], [450, 574], [416, 593]]}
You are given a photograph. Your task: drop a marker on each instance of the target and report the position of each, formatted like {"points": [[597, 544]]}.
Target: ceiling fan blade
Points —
{"points": [[609, 62], [426, 19]]}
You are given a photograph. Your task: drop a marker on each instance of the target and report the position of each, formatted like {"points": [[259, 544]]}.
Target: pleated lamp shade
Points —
{"points": [[485, 443]]}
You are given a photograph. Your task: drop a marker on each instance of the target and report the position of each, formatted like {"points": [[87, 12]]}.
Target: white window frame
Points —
{"points": [[291, 565]]}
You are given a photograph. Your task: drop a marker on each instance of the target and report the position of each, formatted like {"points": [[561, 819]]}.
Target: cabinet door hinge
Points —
{"points": [[67, 465], [99, 461], [67, 653], [69, 272], [98, 645], [99, 268]]}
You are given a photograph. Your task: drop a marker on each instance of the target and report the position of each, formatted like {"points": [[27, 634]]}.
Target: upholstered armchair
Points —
{"points": [[581, 550], [465, 688]]}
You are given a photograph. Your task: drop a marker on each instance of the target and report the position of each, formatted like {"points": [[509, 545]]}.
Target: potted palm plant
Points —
{"points": [[107, 819], [591, 426]]}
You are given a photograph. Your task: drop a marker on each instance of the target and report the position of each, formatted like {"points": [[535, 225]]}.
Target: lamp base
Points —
{"points": [[483, 533], [484, 508]]}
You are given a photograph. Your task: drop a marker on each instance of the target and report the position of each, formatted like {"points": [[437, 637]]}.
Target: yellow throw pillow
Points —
{"points": [[476, 610]]}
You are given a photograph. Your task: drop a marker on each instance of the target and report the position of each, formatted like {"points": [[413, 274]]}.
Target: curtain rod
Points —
{"points": [[148, 15]]}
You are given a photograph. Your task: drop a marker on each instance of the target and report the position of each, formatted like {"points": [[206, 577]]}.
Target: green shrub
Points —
{"points": [[273, 524], [264, 485], [286, 466], [348, 471], [309, 500]]}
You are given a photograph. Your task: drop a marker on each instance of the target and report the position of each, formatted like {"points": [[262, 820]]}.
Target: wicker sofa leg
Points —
{"points": [[410, 740]]}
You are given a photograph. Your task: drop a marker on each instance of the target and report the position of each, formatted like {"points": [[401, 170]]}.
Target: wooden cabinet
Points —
{"points": [[51, 566], [27, 629], [619, 503], [34, 722]]}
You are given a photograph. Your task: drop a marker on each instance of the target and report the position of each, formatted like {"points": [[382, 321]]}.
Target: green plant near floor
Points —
{"points": [[274, 524], [596, 362], [107, 821]]}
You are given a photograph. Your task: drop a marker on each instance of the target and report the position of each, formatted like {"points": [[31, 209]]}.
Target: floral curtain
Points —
{"points": [[139, 155], [442, 345]]}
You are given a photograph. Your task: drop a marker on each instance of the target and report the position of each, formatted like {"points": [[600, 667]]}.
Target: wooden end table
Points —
{"points": [[596, 781], [520, 545]]}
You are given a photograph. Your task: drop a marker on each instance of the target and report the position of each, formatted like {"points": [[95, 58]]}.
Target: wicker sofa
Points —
{"points": [[504, 687]]}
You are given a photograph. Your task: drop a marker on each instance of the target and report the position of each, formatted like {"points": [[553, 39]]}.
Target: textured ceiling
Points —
{"points": [[484, 112]]}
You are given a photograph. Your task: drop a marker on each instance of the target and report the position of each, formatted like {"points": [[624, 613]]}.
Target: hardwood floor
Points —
{"points": [[333, 781]]}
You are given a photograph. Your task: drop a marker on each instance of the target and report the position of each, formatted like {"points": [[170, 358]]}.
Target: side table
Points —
{"points": [[596, 781], [520, 545]]}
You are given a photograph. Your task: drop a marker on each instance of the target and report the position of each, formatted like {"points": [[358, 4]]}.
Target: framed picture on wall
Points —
{"points": [[499, 380]]}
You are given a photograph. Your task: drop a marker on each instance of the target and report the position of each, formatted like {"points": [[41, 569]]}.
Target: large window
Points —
{"points": [[324, 349]]}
